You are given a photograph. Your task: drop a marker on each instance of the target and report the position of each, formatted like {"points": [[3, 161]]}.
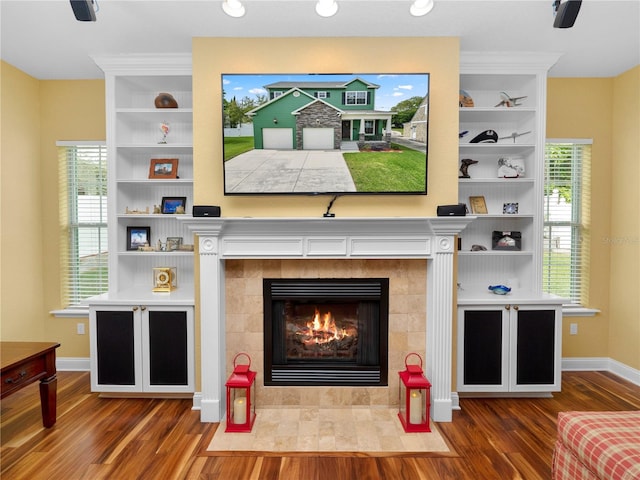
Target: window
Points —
{"points": [[355, 98], [322, 94], [368, 127], [567, 195], [83, 214]]}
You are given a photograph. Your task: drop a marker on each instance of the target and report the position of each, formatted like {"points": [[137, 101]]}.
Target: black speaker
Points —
{"points": [[83, 10], [206, 211], [567, 13], [458, 210]]}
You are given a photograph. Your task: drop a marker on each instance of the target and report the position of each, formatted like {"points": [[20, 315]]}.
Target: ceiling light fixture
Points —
{"points": [[233, 8], [421, 7], [326, 8]]}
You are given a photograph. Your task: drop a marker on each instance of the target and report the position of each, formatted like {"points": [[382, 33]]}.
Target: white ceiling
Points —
{"points": [[43, 38]]}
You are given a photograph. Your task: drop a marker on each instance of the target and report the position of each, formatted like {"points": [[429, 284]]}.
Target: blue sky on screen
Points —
{"points": [[394, 88]]}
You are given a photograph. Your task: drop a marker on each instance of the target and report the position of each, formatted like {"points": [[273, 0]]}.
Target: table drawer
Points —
{"points": [[22, 374]]}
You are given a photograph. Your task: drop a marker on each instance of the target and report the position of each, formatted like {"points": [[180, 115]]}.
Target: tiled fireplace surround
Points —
{"points": [[416, 254]]}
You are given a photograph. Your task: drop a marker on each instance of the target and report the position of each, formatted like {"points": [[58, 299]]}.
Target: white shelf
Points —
{"points": [[155, 182]]}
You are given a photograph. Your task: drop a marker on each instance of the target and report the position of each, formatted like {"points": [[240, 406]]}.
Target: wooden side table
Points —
{"points": [[26, 362]]}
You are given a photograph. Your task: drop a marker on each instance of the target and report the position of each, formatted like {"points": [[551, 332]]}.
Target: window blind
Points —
{"points": [[83, 212], [567, 197]]}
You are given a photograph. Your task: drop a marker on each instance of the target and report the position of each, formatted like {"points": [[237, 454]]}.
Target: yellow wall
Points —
{"points": [[214, 56], [36, 114], [606, 110], [624, 332], [22, 307], [581, 108]]}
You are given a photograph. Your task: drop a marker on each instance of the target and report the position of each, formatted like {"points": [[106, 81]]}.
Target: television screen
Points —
{"points": [[335, 134]]}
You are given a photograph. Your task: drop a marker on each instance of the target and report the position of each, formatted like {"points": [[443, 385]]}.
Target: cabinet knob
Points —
{"points": [[515, 307], [135, 309], [507, 307], [143, 308]]}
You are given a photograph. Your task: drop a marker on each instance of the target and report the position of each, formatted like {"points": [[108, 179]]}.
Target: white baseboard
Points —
{"points": [[81, 364], [602, 364], [455, 401], [197, 401], [73, 364]]}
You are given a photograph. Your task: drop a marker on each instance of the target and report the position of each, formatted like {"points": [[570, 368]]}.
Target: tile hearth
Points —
{"points": [[356, 429]]}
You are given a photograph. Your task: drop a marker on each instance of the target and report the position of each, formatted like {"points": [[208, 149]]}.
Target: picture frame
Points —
{"points": [[163, 168], [173, 243], [173, 205], [478, 205], [506, 240], [510, 208], [138, 237]]}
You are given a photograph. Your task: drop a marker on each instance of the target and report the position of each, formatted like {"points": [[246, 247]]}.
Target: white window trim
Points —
{"points": [[75, 311], [572, 309]]}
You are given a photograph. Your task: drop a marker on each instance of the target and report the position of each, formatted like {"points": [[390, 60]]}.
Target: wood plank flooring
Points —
{"points": [[122, 439]]}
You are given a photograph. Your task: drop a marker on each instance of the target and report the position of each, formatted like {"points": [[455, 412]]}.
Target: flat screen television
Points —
{"points": [[333, 134]]}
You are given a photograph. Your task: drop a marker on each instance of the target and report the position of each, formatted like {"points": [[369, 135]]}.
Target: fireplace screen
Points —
{"points": [[326, 331]]}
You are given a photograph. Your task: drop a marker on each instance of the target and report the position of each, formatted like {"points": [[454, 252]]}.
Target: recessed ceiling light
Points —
{"points": [[233, 8], [326, 8], [421, 7]]}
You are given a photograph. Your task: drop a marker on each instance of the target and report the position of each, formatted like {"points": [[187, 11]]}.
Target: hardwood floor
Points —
{"points": [[96, 438]]}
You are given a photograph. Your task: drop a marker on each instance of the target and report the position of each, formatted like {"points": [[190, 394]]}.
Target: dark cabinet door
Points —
{"points": [[535, 364], [115, 347], [483, 347], [168, 353]]}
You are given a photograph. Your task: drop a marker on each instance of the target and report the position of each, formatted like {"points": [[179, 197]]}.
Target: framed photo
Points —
{"points": [[173, 205], [138, 237], [510, 208], [173, 243], [163, 168], [478, 205]]}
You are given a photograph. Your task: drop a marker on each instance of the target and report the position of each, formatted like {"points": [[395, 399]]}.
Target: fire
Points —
{"points": [[322, 329]]}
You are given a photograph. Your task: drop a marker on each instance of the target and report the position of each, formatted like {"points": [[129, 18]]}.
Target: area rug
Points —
{"points": [[372, 431]]}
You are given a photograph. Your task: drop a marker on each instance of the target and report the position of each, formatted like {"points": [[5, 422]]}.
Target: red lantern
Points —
{"points": [[241, 410], [415, 391]]}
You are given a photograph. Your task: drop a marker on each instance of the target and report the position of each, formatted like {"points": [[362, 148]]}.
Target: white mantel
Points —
{"points": [[430, 238]]}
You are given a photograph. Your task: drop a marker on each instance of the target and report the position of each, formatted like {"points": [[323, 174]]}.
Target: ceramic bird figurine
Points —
{"points": [[500, 289], [465, 164]]}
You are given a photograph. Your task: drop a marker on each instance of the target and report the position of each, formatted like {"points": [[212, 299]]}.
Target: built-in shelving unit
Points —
{"points": [[134, 330], [521, 136]]}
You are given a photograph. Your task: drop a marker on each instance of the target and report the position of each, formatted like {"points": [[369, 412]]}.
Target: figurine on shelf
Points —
{"points": [[164, 128], [464, 167], [500, 289], [507, 100], [136, 211], [465, 100], [156, 209], [165, 100]]}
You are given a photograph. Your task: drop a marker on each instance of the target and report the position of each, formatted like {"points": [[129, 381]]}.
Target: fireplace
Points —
{"points": [[326, 332], [310, 240]]}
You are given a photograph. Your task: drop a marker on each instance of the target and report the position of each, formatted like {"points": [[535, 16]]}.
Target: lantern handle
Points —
{"points": [[407, 358], [241, 354]]}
